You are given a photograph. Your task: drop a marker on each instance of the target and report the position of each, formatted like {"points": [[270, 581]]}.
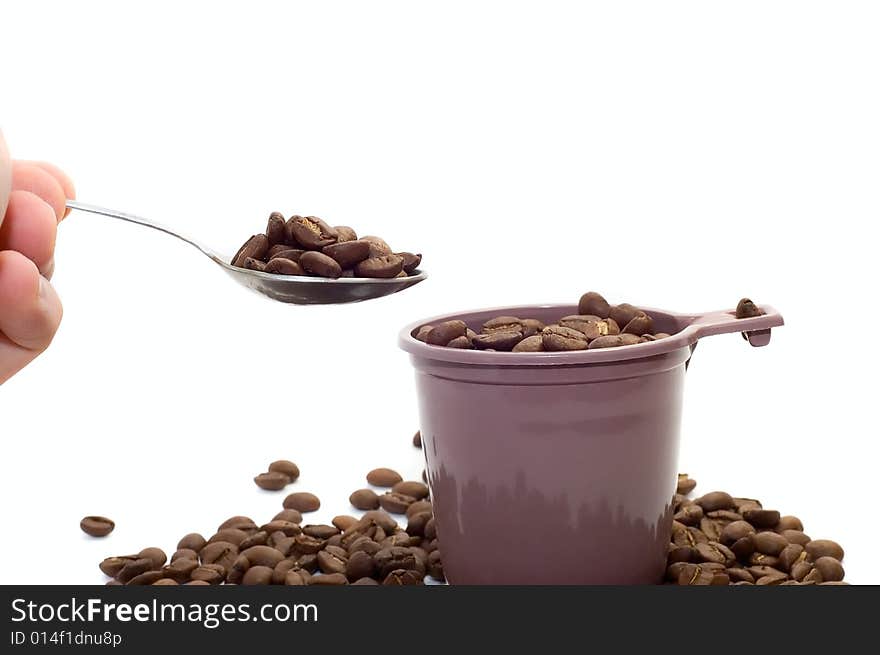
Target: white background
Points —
{"points": [[678, 155]]}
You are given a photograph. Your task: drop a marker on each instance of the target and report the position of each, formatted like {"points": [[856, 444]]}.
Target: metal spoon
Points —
{"points": [[297, 289]]}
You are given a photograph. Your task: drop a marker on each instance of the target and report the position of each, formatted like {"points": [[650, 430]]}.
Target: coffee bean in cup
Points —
{"points": [[307, 245]]}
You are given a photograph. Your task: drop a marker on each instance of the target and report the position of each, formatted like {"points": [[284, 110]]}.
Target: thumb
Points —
{"points": [[5, 177]]}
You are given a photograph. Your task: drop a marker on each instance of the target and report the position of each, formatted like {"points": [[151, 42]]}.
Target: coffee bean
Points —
{"points": [[294, 578], [556, 338], [111, 566], [320, 264], [364, 499], [184, 553], [789, 523], [789, 555], [531, 327], [262, 556], [164, 582], [711, 529], [272, 481], [502, 324], [715, 552], [724, 516], [747, 309], [331, 563], [329, 579], [257, 575], [229, 535], [762, 518], [276, 232], [445, 332], [796, 537], [769, 543], [386, 266], [219, 552], [417, 490], [531, 344], [736, 530], [593, 303], [288, 515], [310, 232], [685, 484], [348, 253], [401, 577], [824, 548], [302, 501], [813, 577], [715, 500], [639, 325], [800, 569], [411, 261], [146, 578], [772, 579], [743, 548], [282, 266], [320, 531], [236, 572], [195, 583], [345, 233], [156, 556], [360, 565], [134, 567], [343, 521], [243, 523], [690, 515], [287, 528], [255, 265], [210, 573], [830, 568], [623, 313], [609, 341], [279, 250], [418, 507], [498, 340], [193, 541], [739, 575], [760, 559], [97, 526], [180, 570], [286, 467], [395, 503], [462, 343], [383, 477], [255, 248], [417, 439]]}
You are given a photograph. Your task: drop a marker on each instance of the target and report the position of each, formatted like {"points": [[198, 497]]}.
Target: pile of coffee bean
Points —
{"points": [[719, 539], [280, 474], [597, 324], [370, 550], [306, 245]]}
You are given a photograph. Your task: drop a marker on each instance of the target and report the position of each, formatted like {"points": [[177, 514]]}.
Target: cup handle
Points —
{"points": [[755, 330]]}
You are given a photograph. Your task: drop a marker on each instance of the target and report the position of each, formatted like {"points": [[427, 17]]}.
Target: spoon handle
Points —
{"points": [[131, 218]]}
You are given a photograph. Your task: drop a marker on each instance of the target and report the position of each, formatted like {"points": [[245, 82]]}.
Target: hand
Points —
{"points": [[32, 202]]}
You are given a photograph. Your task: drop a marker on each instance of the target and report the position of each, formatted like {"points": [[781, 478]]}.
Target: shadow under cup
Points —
{"points": [[548, 472]]}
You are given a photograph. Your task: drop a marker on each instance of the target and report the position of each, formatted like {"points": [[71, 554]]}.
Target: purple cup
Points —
{"points": [[558, 468]]}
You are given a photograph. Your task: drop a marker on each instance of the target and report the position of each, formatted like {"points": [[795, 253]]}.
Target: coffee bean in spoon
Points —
{"points": [[311, 232], [348, 253], [747, 309], [345, 233], [282, 266], [593, 303], [276, 232], [411, 261], [384, 266], [378, 246], [255, 248], [255, 264], [320, 264]]}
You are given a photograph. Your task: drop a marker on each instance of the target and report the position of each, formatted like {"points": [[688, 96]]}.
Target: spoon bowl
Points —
{"points": [[296, 289]]}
